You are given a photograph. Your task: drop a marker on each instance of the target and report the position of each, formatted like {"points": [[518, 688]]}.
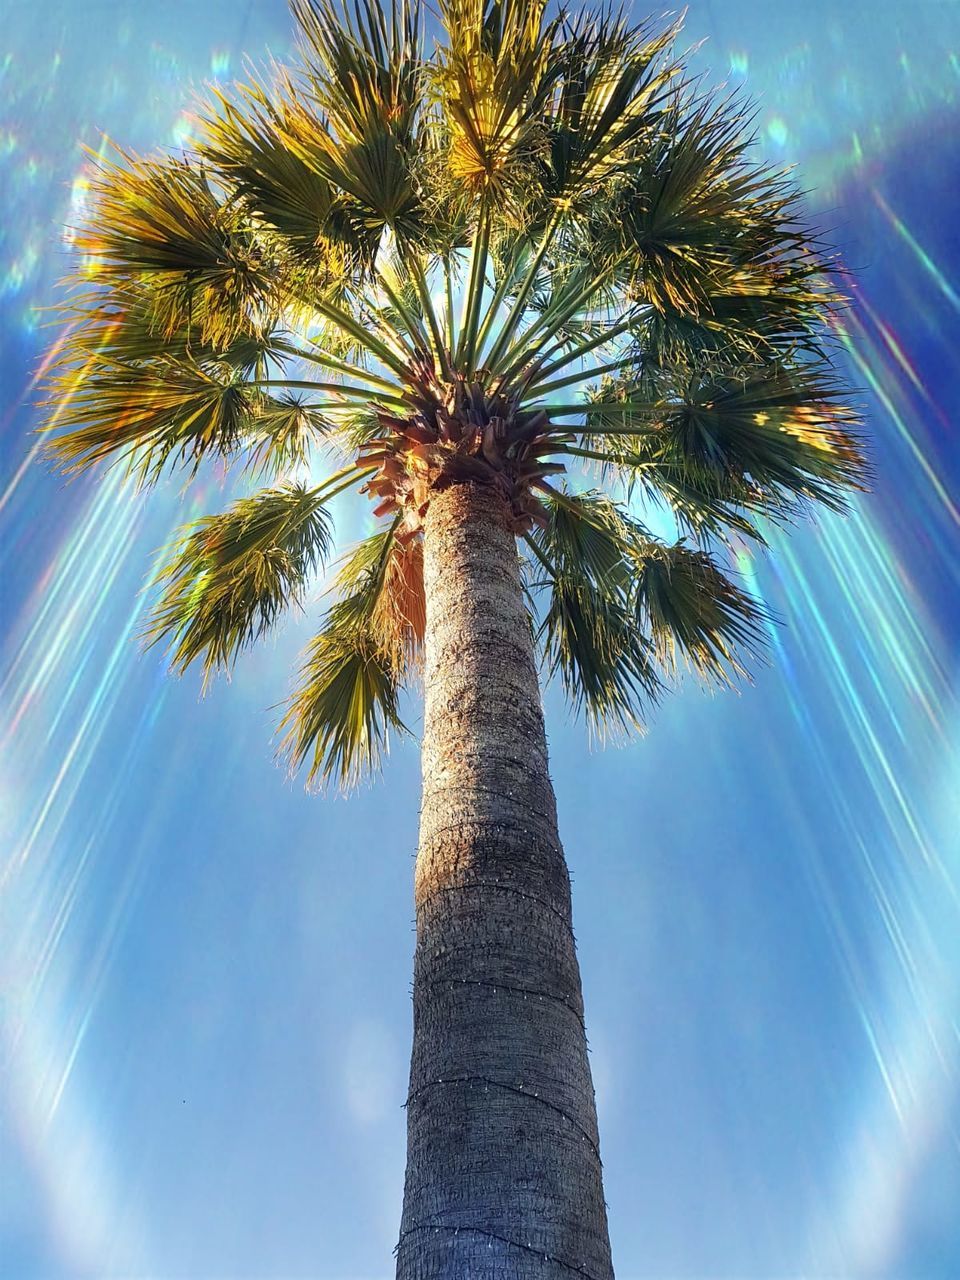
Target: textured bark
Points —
{"points": [[503, 1166]]}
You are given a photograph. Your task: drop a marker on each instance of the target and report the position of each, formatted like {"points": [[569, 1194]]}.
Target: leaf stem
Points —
{"points": [[547, 324], [412, 321], [587, 406], [336, 388], [448, 289], [467, 345], [338, 366], [531, 543], [356, 473], [594, 454], [423, 291], [523, 293], [578, 352], [366, 340], [584, 375]]}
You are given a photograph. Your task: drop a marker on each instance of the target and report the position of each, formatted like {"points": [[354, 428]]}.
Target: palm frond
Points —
{"points": [[285, 430], [147, 415], [624, 603], [765, 439], [492, 82], [755, 313], [696, 220], [346, 704], [128, 323], [705, 505], [229, 577], [784, 431], [692, 609], [365, 74], [611, 82], [589, 530], [266, 147], [340, 716], [376, 177], [161, 219], [364, 65], [604, 663], [589, 630]]}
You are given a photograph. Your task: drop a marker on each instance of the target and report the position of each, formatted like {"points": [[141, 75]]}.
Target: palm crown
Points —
{"points": [[527, 245]]}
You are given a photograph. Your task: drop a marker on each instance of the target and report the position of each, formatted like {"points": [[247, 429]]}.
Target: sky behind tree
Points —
{"points": [[205, 1025]]}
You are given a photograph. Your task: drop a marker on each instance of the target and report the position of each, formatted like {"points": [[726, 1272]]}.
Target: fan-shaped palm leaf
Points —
{"points": [[265, 146], [765, 437], [590, 636], [341, 714], [611, 80], [755, 313], [695, 215], [492, 82], [285, 430], [365, 77], [148, 414], [230, 576], [690, 607], [785, 431], [161, 219]]}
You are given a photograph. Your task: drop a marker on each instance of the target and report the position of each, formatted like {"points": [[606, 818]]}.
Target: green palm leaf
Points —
{"points": [[365, 77], [285, 430], [230, 576], [785, 431], [589, 631], [492, 81], [690, 608], [623, 603], [267, 148], [128, 324], [765, 439], [346, 704], [162, 220], [147, 414], [611, 82], [754, 313], [588, 531], [603, 662], [363, 65], [696, 216]]}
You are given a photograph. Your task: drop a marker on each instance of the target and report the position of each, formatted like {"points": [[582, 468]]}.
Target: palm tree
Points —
{"points": [[445, 273]]}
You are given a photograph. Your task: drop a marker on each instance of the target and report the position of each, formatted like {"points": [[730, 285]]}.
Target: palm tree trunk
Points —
{"points": [[503, 1166]]}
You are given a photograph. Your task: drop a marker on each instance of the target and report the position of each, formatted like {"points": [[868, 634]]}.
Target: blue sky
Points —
{"points": [[205, 1015]]}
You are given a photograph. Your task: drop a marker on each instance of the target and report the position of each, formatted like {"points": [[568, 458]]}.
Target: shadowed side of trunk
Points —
{"points": [[503, 1167]]}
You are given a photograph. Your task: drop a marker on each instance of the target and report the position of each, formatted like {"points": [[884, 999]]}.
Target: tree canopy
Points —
{"points": [[517, 248]]}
